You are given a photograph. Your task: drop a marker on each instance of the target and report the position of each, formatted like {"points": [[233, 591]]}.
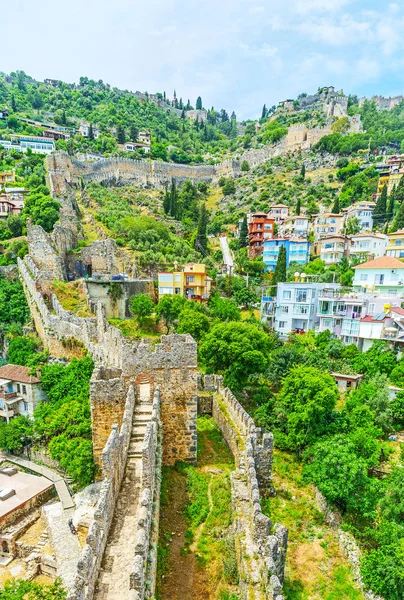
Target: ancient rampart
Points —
{"points": [[114, 458], [262, 546]]}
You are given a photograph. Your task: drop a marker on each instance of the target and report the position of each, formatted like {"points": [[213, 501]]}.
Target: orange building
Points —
{"points": [[260, 228]]}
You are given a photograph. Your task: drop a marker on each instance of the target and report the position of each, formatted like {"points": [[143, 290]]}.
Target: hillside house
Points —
{"points": [[20, 392], [192, 282], [37, 144], [368, 245], [332, 249], [384, 274], [296, 226], [7, 177], [10, 206], [85, 128], [297, 250], [362, 211], [387, 325], [260, 228], [279, 213], [395, 245], [327, 224]]}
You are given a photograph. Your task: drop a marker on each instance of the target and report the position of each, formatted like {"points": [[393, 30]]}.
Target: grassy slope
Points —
{"points": [[316, 568]]}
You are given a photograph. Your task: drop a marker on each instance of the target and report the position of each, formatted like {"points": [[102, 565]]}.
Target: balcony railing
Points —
{"points": [[7, 395]]}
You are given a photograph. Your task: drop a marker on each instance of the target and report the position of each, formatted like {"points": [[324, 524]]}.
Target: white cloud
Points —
{"points": [[318, 6], [367, 69], [266, 50]]}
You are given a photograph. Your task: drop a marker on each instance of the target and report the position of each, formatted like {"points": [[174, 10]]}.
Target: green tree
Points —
{"points": [[280, 268], [167, 201], [168, 309], [21, 589], [229, 187], [303, 172], [341, 125], [378, 359], [336, 207], [173, 199], [246, 297], [133, 132], [244, 166], [21, 350], [42, 209], [91, 132], [12, 433], [244, 233], [141, 306], [341, 475], [391, 204], [198, 105], [306, 401], [237, 350], [352, 226], [264, 112], [193, 322], [224, 309], [298, 206], [201, 242], [13, 305], [120, 134], [380, 210], [398, 222]]}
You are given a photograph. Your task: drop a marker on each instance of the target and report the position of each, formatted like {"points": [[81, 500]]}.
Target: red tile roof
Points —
{"points": [[383, 262], [370, 319], [398, 310], [18, 373]]}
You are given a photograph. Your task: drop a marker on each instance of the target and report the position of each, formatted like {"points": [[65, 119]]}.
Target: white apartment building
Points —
{"points": [[279, 213], [363, 211], [20, 392], [368, 245], [332, 249], [327, 224], [295, 307], [295, 226]]}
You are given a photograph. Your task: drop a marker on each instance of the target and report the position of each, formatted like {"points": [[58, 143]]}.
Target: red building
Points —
{"points": [[260, 228]]}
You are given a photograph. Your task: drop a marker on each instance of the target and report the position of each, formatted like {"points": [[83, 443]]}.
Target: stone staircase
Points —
{"points": [[113, 580]]}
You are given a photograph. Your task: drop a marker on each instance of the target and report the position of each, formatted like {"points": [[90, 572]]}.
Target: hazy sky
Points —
{"points": [[236, 54]]}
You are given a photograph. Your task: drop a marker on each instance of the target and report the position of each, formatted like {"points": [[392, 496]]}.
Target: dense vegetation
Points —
{"points": [[18, 589]]}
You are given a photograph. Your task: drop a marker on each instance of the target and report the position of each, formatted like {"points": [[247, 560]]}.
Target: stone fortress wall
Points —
{"points": [[262, 546], [169, 372]]}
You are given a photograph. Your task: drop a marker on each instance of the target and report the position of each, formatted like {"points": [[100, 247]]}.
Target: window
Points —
{"points": [[379, 279], [301, 295], [190, 279], [24, 389], [363, 277], [282, 324], [165, 290], [165, 277], [392, 292], [18, 388], [287, 294], [371, 309], [301, 309], [178, 277], [284, 309], [25, 406]]}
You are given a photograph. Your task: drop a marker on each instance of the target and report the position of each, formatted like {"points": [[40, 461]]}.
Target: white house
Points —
{"points": [[37, 144], [368, 245], [20, 392], [327, 224], [279, 213], [296, 306], [85, 128], [295, 225], [384, 274], [387, 325], [332, 249], [363, 211]]}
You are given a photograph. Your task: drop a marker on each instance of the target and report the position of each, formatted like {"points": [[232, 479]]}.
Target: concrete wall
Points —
{"points": [[97, 291]]}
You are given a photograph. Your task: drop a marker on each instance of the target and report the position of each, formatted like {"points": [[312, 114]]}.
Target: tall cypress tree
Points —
{"points": [[120, 134], [244, 233], [298, 206], [391, 204], [399, 220], [198, 103], [303, 172], [201, 236], [336, 207], [167, 201], [264, 111], [91, 132], [380, 211], [399, 193], [280, 269], [173, 199]]}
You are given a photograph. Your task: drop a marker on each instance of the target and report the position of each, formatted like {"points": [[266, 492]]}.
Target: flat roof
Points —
{"points": [[26, 488]]}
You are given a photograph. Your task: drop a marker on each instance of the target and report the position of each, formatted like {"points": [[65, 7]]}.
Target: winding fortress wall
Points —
{"points": [[262, 546]]}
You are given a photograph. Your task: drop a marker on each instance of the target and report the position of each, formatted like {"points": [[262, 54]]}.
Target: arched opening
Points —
{"points": [[4, 547]]}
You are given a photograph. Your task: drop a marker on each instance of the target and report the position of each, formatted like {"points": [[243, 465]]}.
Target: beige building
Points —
{"points": [[327, 224], [193, 282], [20, 392], [332, 249]]}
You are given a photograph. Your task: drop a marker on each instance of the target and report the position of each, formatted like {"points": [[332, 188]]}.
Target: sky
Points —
{"points": [[235, 54]]}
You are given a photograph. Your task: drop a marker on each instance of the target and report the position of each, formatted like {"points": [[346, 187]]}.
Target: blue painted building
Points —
{"points": [[297, 250]]}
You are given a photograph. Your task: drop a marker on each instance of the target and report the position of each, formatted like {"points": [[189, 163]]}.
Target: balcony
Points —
{"points": [[7, 413], [7, 395]]}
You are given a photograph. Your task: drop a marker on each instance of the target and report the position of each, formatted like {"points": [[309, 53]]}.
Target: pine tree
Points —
{"points": [[133, 133], [264, 112], [386, 228], [13, 103], [303, 172], [198, 103], [188, 106], [181, 104], [173, 200], [380, 211], [165, 97], [298, 206], [399, 193], [391, 204], [398, 223], [280, 269], [91, 132], [336, 207], [64, 118], [244, 233], [201, 236], [167, 201], [183, 113], [120, 134], [233, 116]]}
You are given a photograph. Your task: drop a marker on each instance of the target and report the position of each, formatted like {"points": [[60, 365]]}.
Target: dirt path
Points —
{"points": [[183, 579]]}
